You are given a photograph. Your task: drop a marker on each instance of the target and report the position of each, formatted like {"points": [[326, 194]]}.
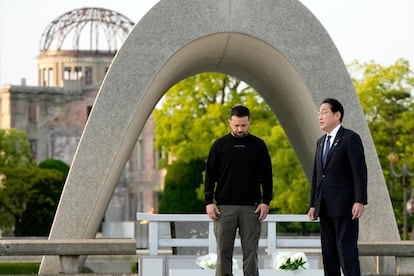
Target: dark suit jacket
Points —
{"points": [[343, 180]]}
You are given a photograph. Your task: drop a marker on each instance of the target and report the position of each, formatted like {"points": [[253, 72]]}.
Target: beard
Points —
{"points": [[239, 134]]}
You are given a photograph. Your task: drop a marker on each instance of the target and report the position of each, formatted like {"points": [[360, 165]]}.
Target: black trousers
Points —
{"points": [[339, 240]]}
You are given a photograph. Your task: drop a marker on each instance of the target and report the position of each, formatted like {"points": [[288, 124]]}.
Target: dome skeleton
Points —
{"points": [[114, 26]]}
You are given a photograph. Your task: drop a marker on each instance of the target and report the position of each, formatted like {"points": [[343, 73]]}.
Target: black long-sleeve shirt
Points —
{"points": [[238, 172]]}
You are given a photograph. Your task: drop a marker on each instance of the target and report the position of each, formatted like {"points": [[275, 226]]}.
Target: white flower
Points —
{"points": [[289, 261], [209, 261], [300, 257], [279, 259]]}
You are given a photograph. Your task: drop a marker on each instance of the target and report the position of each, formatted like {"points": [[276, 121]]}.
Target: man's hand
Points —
{"points": [[212, 211], [263, 210], [357, 210], [311, 214]]}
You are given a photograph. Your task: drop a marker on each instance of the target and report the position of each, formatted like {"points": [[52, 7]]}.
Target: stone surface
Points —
{"points": [[405, 265], [278, 47]]}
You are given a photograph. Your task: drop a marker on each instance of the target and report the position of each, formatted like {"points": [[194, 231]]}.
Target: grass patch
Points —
{"points": [[19, 268]]}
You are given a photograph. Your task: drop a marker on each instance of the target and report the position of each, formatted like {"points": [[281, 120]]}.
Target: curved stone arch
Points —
{"points": [[278, 47]]}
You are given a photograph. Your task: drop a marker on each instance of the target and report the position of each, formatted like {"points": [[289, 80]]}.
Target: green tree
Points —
{"points": [[290, 185], [28, 194], [16, 174], [41, 207], [14, 149], [53, 164], [181, 181], [291, 188], [385, 94], [16, 191]]}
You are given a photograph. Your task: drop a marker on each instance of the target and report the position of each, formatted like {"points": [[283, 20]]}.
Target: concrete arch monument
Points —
{"points": [[278, 47]]}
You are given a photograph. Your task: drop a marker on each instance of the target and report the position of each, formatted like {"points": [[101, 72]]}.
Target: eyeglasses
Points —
{"points": [[323, 113]]}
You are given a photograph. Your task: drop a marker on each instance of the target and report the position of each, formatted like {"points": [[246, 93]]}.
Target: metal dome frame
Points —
{"points": [[113, 25]]}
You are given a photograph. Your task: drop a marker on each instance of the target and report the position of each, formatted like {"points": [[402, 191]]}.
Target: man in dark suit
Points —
{"points": [[339, 191]]}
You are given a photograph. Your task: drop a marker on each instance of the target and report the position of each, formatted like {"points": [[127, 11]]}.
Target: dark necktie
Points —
{"points": [[325, 153]]}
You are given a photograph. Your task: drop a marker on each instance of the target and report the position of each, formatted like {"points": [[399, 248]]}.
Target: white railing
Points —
{"points": [[155, 241]]}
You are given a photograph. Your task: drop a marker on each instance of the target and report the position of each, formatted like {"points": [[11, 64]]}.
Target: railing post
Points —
{"points": [[153, 237], [212, 247], [271, 237], [69, 264]]}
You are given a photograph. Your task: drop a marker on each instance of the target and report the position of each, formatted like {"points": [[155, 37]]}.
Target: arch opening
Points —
{"points": [[261, 66]]}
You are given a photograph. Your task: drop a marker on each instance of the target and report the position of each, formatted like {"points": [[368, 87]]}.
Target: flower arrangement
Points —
{"points": [[289, 261], [209, 261]]}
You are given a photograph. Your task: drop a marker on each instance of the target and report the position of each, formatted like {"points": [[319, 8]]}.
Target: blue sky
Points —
{"points": [[366, 30]]}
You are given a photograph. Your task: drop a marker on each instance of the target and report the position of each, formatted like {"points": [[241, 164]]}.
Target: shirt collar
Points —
{"points": [[334, 132]]}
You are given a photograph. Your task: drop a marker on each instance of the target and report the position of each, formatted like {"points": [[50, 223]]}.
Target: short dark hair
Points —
{"points": [[336, 106], [240, 111]]}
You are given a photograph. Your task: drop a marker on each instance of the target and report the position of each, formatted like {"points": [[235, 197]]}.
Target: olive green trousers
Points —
{"points": [[245, 220]]}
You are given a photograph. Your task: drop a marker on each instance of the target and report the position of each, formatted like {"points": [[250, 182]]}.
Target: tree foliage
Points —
{"points": [[385, 96], [14, 149], [290, 186], [41, 207], [28, 193], [181, 181], [16, 174]]}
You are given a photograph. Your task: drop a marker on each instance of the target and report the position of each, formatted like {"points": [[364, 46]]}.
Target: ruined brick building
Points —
{"points": [[76, 50]]}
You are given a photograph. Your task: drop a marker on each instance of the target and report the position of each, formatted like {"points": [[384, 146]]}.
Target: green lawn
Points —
{"points": [[19, 268]]}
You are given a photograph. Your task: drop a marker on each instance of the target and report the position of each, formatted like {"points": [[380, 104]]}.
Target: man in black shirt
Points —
{"points": [[238, 190]]}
